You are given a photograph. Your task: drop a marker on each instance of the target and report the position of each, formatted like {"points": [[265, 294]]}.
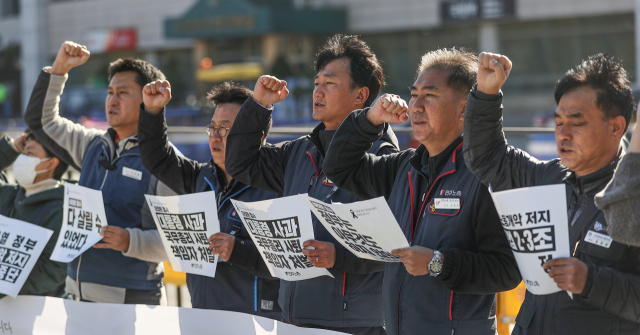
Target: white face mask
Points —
{"points": [[24, 169]]}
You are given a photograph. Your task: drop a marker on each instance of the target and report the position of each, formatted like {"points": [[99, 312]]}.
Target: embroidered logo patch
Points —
{"points": [[597, 226], [451, 193]]}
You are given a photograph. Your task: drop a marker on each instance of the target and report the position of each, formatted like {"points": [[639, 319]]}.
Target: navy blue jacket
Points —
{"points": [[478, 261], [232, 289], [353, 298]]}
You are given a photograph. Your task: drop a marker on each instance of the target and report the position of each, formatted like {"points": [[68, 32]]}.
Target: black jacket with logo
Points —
{"points": [[233, 288], [610, 301], [353, 298], [478, 261]]}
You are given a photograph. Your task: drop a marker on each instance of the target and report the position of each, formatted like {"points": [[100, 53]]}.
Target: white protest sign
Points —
{"points": [[367, 228], [21, 244], [35, 315], [185, 223], [535, 222], [82, 220], [279, 227]]}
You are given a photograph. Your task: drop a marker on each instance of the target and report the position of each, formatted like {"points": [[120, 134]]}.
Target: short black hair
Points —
{"points": [[608, 78], [146, 72], [365, 67], [230, 92], [461, 64], [62, 166]]}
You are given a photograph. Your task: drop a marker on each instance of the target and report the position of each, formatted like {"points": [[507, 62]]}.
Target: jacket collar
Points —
{"points": [[234, 185], [441, 163], [388, 136], [594, 182]]}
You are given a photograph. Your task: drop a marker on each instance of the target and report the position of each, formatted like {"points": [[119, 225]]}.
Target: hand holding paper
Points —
{"points": [[569, 273], [221, 244], [324, 254], [415, 259], [114, 238]]}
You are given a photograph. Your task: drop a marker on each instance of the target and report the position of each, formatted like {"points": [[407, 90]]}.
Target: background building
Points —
{"points": [[200, 42]]}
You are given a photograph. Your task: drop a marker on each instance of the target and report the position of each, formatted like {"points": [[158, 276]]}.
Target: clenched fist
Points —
{"points": [[493, 70], [270, 90], [389, 108], [70, 55], [156, 95]]}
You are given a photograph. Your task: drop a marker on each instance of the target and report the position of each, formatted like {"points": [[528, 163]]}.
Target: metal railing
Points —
{"points": [[398, 130]]}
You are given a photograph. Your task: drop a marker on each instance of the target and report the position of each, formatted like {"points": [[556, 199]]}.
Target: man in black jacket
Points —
{"points": [[348, 77], [594, 107], [459, 256], [232, 289]]}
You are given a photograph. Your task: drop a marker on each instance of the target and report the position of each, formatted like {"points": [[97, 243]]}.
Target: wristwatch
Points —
{"points": [[435, 266]]}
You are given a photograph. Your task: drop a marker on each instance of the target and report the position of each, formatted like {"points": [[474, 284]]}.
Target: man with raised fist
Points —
{"points": [[108, 161], [594, 107], [459, 258], [233, 288], [348, 77]]}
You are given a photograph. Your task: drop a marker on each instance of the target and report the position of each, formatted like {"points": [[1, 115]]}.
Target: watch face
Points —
{"points": [[435, 267]]}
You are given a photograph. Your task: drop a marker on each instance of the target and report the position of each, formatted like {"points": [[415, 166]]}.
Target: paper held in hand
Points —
{"points": [[279, 227], [82, 220], [185, 223], [21, 244], [367, 228], [535, 222]]}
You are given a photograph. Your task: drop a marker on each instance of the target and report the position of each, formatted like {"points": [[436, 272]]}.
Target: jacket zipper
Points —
{"points": [[78, 277], [290, 304]]}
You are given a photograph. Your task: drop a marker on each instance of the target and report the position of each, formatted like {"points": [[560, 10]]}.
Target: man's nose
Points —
{"points": [[564, 132], [318, 91]]}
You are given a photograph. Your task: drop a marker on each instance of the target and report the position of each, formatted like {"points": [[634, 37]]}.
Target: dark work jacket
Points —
{"points": [[610, 301], [42, 209], [232, 289], [478, 261], [354, 297]]}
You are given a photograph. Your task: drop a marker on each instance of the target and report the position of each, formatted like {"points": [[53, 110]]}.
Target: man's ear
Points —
{"points": [[617, 125], [463, 108], [53, 163], [363, 95]]}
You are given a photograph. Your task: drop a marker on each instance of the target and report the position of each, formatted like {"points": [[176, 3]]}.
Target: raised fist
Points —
{"points": [[70, 55], [156, 95], [493, 70], [270, 90], [389, 108]]}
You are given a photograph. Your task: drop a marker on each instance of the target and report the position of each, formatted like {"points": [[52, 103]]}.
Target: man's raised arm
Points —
{"points": [[158, 156], [246, 159], [486, 151], [349, 165], [66, 139]]}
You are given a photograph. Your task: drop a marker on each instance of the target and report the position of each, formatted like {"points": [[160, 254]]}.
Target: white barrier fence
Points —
{"points": [[52, 316]]}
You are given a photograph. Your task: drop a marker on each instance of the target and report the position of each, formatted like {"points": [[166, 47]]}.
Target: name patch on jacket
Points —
{"points": [[598, 239], [131, 173], [446, 203]]}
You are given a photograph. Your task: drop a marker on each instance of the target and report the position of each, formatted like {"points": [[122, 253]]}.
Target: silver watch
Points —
{"points": [[435, 266]]}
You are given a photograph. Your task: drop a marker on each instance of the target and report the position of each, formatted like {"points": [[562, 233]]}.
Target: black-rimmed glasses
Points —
{"points": [[222, 130]]}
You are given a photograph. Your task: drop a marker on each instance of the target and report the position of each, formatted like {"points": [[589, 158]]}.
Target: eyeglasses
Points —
{"points": [[222, 130]]}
